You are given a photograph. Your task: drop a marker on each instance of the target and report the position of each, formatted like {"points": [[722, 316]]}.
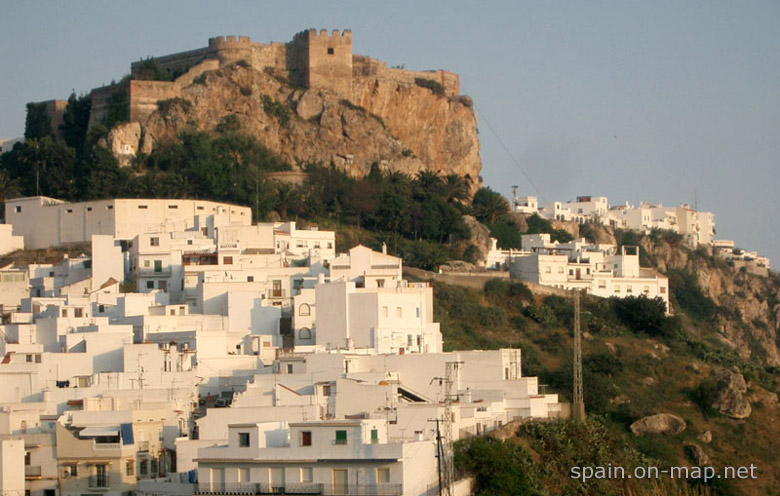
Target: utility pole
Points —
{"points": [[514, 197], [444, 431], [578, 404]]}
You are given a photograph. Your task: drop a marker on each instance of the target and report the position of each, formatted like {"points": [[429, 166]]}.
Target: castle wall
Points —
{"points": [[175, 62], [367, 67], [144, 96], [99, 97], [55, 109]]}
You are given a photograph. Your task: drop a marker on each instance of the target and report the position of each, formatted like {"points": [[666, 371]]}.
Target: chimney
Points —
{"points": [[384, 248]]}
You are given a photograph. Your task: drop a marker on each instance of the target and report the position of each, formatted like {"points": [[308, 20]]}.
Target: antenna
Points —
{"points": [[444, 431], [578, 404], [514, 195]]}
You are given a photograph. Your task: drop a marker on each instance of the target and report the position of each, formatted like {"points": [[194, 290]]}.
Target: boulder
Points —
{"points": [[698, 456], [705, 437], [310, 105], [730, 389], [661, 423]]}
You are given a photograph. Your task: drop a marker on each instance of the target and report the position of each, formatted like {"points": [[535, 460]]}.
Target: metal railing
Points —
{"points": [[303, 488], [32, 471], [98, 482]]}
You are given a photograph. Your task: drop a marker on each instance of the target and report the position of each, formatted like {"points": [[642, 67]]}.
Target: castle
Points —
{"points": [[313, 59]]}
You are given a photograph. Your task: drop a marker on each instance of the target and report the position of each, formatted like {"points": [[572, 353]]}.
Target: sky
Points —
{"points": [[660, 101]]}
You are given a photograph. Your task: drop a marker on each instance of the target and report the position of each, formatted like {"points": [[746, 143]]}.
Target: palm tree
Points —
{"points": [[489, 206], [287, 198], [455, 188]]}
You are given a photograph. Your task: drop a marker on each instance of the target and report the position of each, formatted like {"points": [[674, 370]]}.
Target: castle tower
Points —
{"points": [[324, 60], [229, 49]]}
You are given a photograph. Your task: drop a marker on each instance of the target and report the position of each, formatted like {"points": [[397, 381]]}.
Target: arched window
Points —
{"points": [[304, 333], [304, 310]]}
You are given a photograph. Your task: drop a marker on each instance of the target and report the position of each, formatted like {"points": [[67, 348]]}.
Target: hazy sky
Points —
{"points": [[652, 100]]}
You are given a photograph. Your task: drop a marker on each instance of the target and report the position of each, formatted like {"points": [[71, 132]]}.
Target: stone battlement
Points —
{"points": [[230, 41]]}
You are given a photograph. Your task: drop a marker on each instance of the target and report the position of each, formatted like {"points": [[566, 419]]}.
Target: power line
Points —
{"points": [[506, 149]]}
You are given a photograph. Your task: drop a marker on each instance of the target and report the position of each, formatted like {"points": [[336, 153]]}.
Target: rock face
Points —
{"points": [[480, 236], [730, 390], [399, 127], [661, 423]]}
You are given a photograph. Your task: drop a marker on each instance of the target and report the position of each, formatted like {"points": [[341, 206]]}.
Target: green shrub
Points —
{"points": [[276, 109], [200, 79], [492, 317], [642, 314]]}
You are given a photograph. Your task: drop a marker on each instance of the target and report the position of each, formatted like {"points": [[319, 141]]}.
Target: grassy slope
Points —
{"points": [[617, 388]]}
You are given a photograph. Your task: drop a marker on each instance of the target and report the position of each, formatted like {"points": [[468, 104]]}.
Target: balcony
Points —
{"points": [[147, 272], [276, 293], [32, 472], [143, 446], [99, 482], [304, 488]]}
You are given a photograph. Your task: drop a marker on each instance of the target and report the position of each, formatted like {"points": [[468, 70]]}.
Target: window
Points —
{"points": [[330, 51], [243, 474], [73, 469], [143, 467], [571, 271], [173, 206], [189, 241], [250, 278], [289, 368], [69, 210], [629, 289], [326, 390], [227, 260], [663, 289], [155, 241], [27, 458], [380, 283], [204, 231], [37, 358], [18, 209], [399, 312], [149, 284], [142, 207], [383, 475], [78, 312], [374, 436], [384, 311], [29, 358], [130, 467], [602, 284], [158, 265], [109, 207], [304, 310], [417, 312], [330, 245], [341, 437], [307, 474], [409, 340], [276, 291], [617, 289], [147, 263], [200, 207], [305, 438], [304, 333], [646, 289], [101, 308], [64, 312], [243, 439], [548, 270]]}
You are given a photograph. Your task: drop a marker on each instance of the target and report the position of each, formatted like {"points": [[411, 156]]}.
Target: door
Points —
{"points": [[158, 265], [340, 484], [277, 480]]}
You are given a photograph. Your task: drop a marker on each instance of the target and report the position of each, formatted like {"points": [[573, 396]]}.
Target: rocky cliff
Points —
{"points": [[399, 126]]}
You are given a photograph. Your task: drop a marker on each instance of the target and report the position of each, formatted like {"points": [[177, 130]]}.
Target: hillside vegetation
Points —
{"points": [[636, 362]]}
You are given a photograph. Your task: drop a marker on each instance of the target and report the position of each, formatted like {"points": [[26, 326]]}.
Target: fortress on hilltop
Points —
{"points": [[313, 59]]}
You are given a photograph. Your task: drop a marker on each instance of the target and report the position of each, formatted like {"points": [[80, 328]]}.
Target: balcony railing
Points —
{"points": [[107, 446], [98, 482], [32, 471], [300, 489], [143, 445]]}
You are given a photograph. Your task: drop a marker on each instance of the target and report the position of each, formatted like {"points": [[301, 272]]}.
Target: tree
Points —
{"points": [[455, 188], [489, 206], [287, 198], [38, 122], [75, 121]]}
